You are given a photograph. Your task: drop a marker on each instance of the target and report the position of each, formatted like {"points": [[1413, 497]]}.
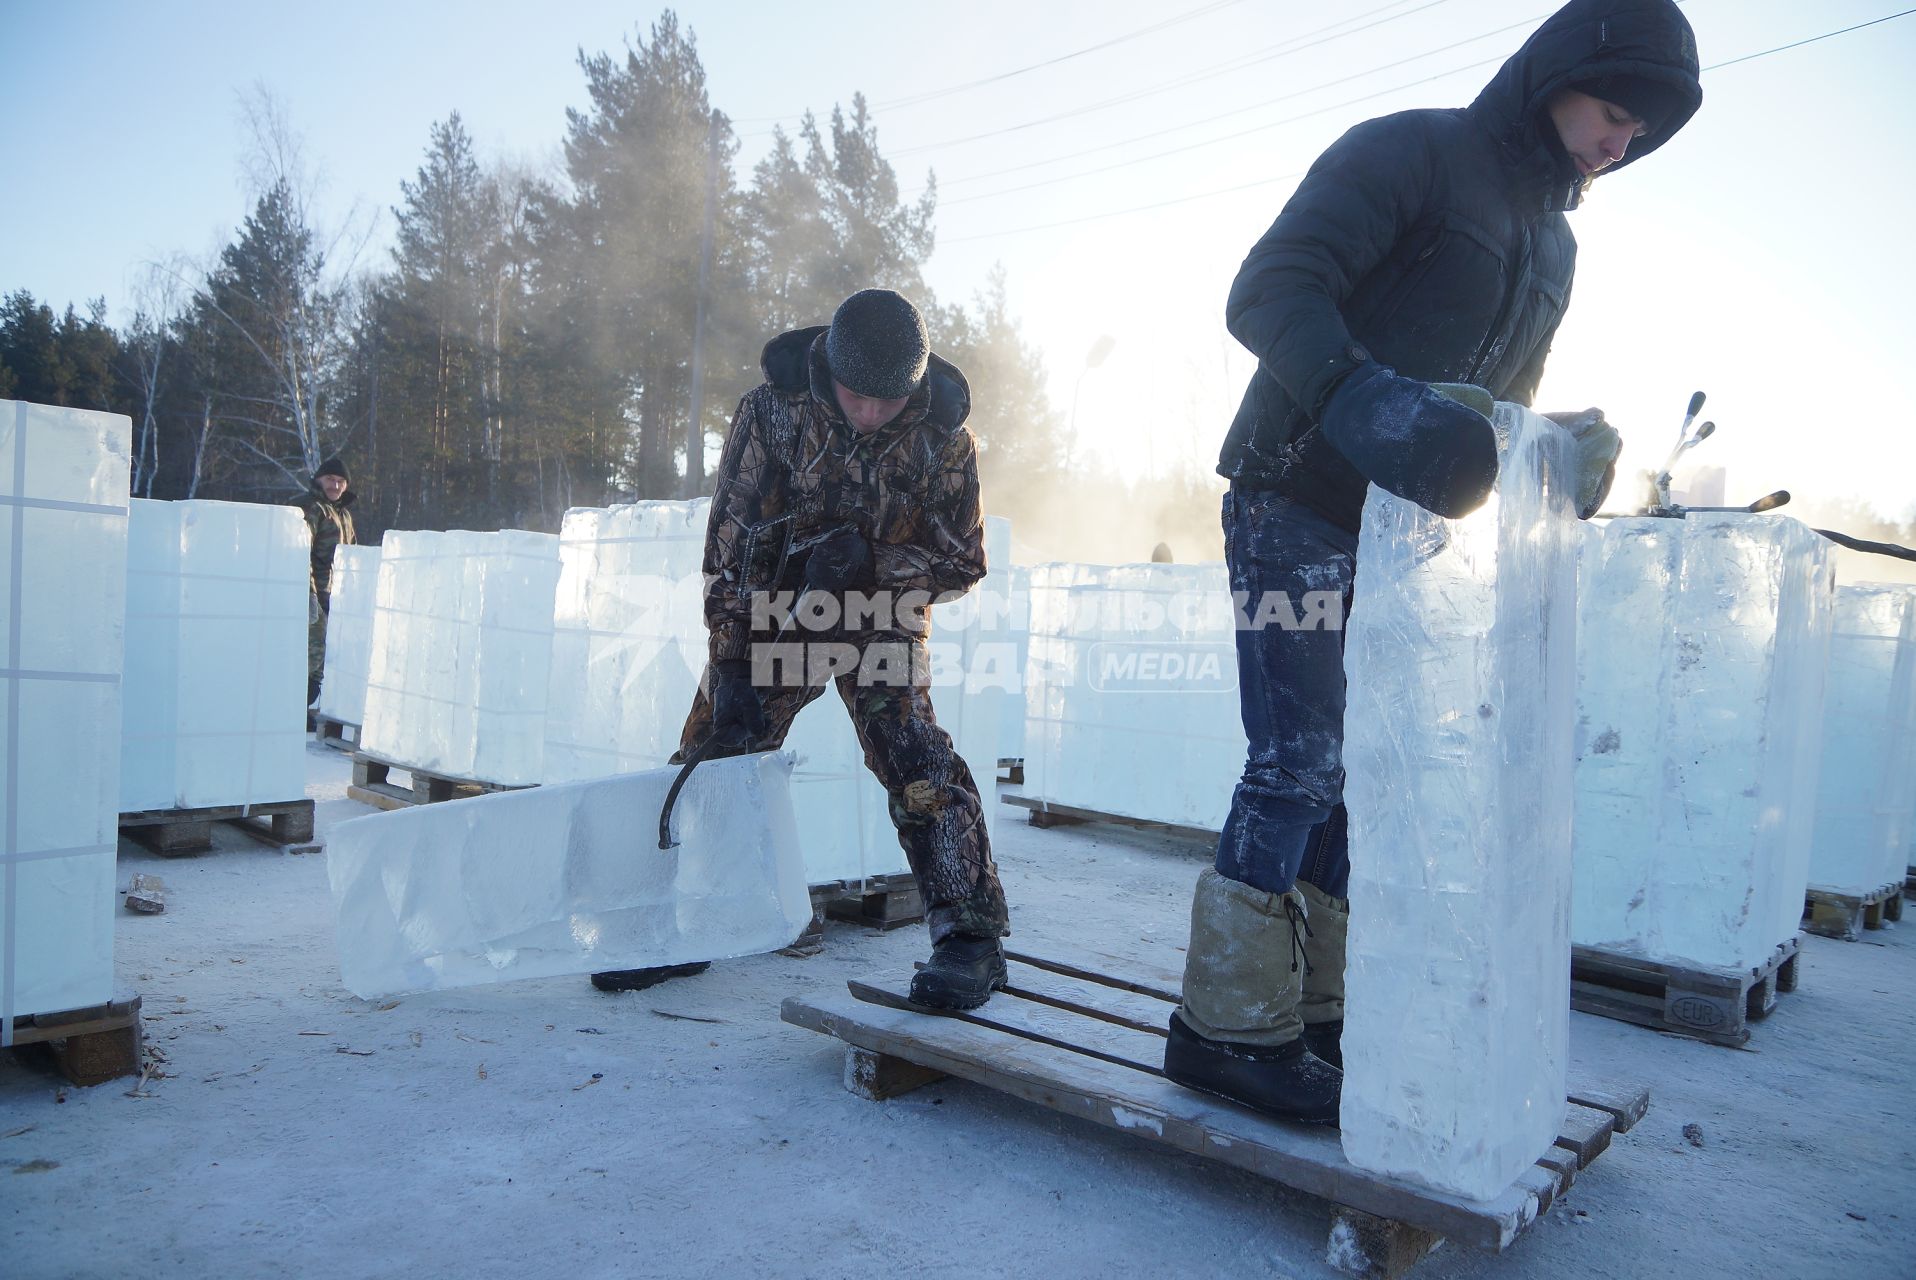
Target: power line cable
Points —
{"points": [[1256, 106], [1271, 53], [1206, 195], [911, 100]]}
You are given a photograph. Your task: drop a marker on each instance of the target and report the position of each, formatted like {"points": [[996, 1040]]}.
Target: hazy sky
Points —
{"points": [[1764, 255]]}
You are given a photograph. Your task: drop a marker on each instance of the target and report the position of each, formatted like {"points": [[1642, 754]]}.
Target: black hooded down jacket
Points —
{"points": [[1433, 241]]}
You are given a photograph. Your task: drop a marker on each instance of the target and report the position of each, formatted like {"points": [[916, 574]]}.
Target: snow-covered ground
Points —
{"points": [[544, 1129]]}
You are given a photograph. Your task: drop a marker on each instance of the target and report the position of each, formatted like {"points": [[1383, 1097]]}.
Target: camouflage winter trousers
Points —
{"points": [[934, 802]]}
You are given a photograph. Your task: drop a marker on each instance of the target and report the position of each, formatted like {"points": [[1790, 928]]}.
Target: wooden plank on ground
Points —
{"points": [[1307, 1158], [1142, 976], [1625, 1104]]}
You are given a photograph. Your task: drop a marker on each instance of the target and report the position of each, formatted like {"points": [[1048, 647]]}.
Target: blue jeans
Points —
{"points": [[1291, 571]]}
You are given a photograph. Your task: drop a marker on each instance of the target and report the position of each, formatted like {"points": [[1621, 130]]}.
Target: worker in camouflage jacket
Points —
{"points": [[846, 502], [326, 504]]}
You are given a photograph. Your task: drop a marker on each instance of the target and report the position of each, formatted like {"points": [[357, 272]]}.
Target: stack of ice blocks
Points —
{"points": [[1131, 667], [214, 709], [629, 646], [349, 634], [1460, 659], [1866, 805], [462, 652], [1702, 654], [568, 879], [63, 485]]}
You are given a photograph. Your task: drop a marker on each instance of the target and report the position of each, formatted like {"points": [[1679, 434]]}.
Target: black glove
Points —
{"points": [[1418, 444], [1598, 445], [842, 562], [738, 717]]}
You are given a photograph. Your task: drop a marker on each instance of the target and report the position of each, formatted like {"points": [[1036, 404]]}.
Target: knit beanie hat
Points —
{"points": [[1650, 101], [877, 345], [332, 467]]}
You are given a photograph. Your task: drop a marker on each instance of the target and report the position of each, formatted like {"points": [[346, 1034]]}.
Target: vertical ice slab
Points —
{"points": [[1131, 696], [568, 879], [349, 634], [628, 638], [1866, 801], [462, 652], [63, 486], [1461, 664], [215, 695], [1702, 652], [1011, 725]]}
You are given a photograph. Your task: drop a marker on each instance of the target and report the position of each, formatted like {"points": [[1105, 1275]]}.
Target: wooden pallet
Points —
{"points": [[336, 734], [1084, 1034], [1043, 813], [372, 784], [1716, 1005], [1840, 915], [89, 1046], [287, 824], [1011, 770], [882, 902]]}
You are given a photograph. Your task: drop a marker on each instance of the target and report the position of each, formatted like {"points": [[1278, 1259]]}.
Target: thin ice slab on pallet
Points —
{"points": [[568, 879]]}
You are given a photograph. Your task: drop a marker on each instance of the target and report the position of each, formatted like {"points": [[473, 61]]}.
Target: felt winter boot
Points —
{"points": [[1238, 1033], [1322, 1004]]}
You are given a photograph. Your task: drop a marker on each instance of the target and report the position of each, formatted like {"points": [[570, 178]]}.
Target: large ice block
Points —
{"points": [[214, 706], [1702, 654], [63, 487], [1460, 660], [1866, 802], [1131, 696], [1011, 724], [462, 652], [629, 645], [628, 638], [568, 879], [349, 634]]}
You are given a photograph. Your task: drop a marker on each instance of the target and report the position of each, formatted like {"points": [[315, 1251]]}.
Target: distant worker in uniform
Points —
{"points": [[326, 505], [1426, 247], [850, 472]]}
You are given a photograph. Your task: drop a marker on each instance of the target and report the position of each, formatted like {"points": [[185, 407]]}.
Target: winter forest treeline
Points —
{"points": [[528, 345]]}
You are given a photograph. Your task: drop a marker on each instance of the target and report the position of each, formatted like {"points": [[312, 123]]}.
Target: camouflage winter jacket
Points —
{"points": [[793, 469], [331, 525]]}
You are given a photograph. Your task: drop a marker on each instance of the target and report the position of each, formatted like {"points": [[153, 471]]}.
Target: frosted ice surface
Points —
{"points": [[349, 633], [1866, 804], [216, 618], [568, 879], [1461, 666], [630, 643], [1131, 697], [462, 652], [63, 486], [1703, 648]]}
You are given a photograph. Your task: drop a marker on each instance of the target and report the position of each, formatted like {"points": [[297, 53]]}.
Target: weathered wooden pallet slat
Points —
{"points": [[90, 1046], [1717, 1005], [1043, 813], [1090, 1043], [285, 823], [1848, 916], [337, 734], [372, 784]]}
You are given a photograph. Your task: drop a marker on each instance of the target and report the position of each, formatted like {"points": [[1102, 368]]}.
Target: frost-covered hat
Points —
{"points": [[877, 345]]}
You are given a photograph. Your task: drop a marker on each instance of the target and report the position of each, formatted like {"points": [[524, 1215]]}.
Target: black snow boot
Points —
{"points": [[963, 972], [640, 979], [1286, 1080], [1326, 1040]]}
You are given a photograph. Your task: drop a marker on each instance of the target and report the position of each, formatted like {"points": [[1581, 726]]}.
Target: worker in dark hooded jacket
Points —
{"points": [[1426, 247], [327, 506], [849, 477]]}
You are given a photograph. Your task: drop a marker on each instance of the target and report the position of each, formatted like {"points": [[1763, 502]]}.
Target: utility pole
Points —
{"points": [[695, 430]]}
